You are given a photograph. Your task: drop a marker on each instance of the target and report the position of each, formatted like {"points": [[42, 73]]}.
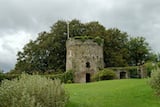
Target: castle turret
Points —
{"points": [[84, 57]]}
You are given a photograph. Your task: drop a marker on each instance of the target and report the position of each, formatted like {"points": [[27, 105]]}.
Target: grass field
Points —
{"points": [[113, 93]]}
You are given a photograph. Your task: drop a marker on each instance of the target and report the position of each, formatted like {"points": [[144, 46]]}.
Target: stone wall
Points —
{"points": [[122, 74], [84, 58]]}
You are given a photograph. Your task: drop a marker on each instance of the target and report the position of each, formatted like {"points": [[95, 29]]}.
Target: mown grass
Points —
{"points": [[113, 93]]}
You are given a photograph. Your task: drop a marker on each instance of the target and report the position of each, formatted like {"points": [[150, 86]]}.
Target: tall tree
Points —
{"points": [[115, 48], [95, 29], [48, 51], [138, 50]]}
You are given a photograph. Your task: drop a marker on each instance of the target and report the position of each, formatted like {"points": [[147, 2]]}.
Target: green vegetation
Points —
{"points": [[155, 81], [66, 77], [48, 52], [150, 66], [97, 39], [105, 74], [7, 76], [133, 70], [32, 91], [139, 49], [113, 93], [1, 76], [83, 38]]}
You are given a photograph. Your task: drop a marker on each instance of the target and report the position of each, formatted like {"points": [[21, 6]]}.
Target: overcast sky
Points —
{"points": [[22, 20]]}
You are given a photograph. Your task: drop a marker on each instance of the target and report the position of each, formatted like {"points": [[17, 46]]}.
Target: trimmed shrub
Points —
{"points": [[32, 91], [105, 74], [155, 81]]}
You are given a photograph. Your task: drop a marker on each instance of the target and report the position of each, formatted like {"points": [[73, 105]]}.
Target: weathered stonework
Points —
{"points": [[84, 57], [122, 74]]}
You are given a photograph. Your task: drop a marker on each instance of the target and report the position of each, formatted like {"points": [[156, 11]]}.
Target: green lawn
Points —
{"points": [[112, 93]]}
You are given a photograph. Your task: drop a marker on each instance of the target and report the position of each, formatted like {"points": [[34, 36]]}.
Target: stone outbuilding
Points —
{"points": [[84, 57], [122, 74]]}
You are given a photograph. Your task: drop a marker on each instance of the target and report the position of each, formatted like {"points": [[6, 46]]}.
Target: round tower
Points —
{"points": [[84, 57]]}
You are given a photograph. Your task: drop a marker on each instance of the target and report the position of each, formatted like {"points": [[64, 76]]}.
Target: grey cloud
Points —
{"points": [[7, 48], [6, 66], [137, 17], [36, 15]]}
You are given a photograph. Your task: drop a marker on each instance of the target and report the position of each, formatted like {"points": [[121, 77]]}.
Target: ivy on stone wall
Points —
{"points": [[97, 39]]}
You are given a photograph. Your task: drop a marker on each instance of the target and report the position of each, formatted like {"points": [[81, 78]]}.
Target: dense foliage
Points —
{"points": [[48, 52], [105, 74], [149, 67], [155, 81], [66, 77], [8, 76], [115, 48], [32, 91], [1, 76], [138, 49]]}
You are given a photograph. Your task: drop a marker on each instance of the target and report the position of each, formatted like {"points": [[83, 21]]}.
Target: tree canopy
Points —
{"points": [[138, 49], [48, 52]]}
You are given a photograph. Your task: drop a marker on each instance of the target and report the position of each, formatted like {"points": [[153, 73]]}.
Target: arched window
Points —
{"points": [[87, 65]]}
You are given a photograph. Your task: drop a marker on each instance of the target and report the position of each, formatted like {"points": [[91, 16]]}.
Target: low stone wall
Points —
{"points": [[127, 72]]}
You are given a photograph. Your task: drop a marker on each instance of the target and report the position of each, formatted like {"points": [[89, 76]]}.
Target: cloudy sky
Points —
{"points": [[22, 20]]}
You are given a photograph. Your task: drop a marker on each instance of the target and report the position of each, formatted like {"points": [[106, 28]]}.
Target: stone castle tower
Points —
{"points": [[84, 57]]}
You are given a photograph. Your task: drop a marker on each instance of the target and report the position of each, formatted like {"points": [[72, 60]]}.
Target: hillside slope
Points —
{"points": [[112, 93]]}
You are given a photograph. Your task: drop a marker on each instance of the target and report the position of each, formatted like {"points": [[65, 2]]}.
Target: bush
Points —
{"points": [[2, 76], [32, 91], [105, 74], [66, 77], [149, 66], [133, 71], [56, 76], [8, 76], [98, 40], [155, 81]]}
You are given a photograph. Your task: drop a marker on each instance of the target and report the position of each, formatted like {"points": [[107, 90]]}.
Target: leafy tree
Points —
{"points": [[115, 48], [158, 57], [138, 50], [152, 57], [76, 28], [95, 29], [48, 52]]}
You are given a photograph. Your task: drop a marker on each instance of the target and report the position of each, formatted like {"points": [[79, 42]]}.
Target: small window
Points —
{"points": [[87, 65]]}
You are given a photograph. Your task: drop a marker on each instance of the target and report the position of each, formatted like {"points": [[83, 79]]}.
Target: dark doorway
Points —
{"points": [[88, 77], [122, 75]]}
